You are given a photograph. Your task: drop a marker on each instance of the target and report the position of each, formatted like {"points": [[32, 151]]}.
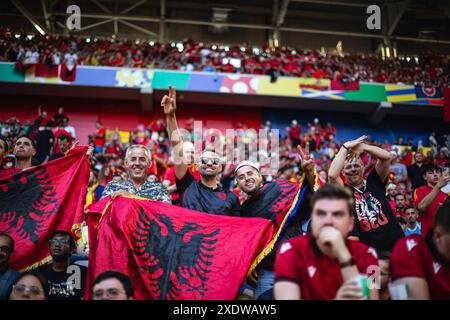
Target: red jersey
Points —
{"points": [[300, 260], [427, 217], [413, 257], [100, 141], [170, 175]]}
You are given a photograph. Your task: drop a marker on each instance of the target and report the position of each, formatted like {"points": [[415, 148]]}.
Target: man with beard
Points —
{"points": [[206, 195], [324, 264], [7, 274], [375, 223], [66, 281], [24, 150], [137, 162], [266, 200], [400, 203], [64, 147]]}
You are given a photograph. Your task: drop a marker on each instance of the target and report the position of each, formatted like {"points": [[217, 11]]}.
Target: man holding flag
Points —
{"points": [[279, 202], [205, 195]]}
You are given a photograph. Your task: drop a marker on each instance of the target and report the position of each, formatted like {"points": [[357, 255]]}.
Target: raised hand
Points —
{"points": [[354, 143], [307, 160], [169, 102]]}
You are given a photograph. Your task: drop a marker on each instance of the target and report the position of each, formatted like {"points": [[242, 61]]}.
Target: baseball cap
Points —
{"points": [[246, 163]]}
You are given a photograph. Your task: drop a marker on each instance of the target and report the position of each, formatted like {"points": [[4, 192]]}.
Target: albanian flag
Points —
{"points": [[174, 253], [40, 200]]}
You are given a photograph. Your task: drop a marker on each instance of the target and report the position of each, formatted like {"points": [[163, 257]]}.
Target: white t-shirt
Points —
{"points": [[56, 58], [34, 57], [71, 60]]}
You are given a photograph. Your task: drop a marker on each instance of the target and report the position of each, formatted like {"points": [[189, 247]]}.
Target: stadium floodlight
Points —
{"points": [[152, 43], [38, 28], [88, 40]]}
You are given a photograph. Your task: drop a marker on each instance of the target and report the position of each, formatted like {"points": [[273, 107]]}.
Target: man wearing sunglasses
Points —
{"points": [[375, 222], [205, 195], [66, 281]]}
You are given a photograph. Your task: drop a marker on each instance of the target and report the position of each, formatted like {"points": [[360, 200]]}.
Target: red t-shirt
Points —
{"points": [[170, 175], [427, 217], [412, 257], [100, 141], [299, 260]]}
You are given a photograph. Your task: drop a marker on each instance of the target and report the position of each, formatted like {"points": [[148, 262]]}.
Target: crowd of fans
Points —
{"points": [[412, 171], [426, 70]]}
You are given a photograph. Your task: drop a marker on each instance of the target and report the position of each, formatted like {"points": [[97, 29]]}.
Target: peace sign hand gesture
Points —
{"points": [[169, 102]]}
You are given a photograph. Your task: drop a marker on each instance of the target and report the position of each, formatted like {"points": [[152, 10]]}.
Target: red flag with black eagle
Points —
{"points": [[39, 200], [68, 73], [173, 253]]}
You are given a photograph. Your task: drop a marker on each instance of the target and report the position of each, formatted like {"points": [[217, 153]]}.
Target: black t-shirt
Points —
{"points": [[415, 173], [66, 285], [196, 196], [267, 203], [375, 224], [44, 142]]}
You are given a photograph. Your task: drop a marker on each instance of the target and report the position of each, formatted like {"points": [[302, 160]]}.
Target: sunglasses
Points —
{"points": [[206, 160]]}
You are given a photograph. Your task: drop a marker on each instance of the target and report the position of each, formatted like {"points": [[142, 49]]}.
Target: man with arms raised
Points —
{"points": [[205, 195], [375, 223]]}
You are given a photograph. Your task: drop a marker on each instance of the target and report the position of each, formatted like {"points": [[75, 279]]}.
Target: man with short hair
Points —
{"points": [[429, 198], [24, 150], [414, 171], [267, 200], [412, 225], [7, 274], [137, 162], [375, 222], [112, 285], [66, 281], [206, 195], [64, 147], [420, 265], [324, 264], [400, 203]]}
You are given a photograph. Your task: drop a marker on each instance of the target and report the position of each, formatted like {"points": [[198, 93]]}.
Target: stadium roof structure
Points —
{"points": [[409, 24]]}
